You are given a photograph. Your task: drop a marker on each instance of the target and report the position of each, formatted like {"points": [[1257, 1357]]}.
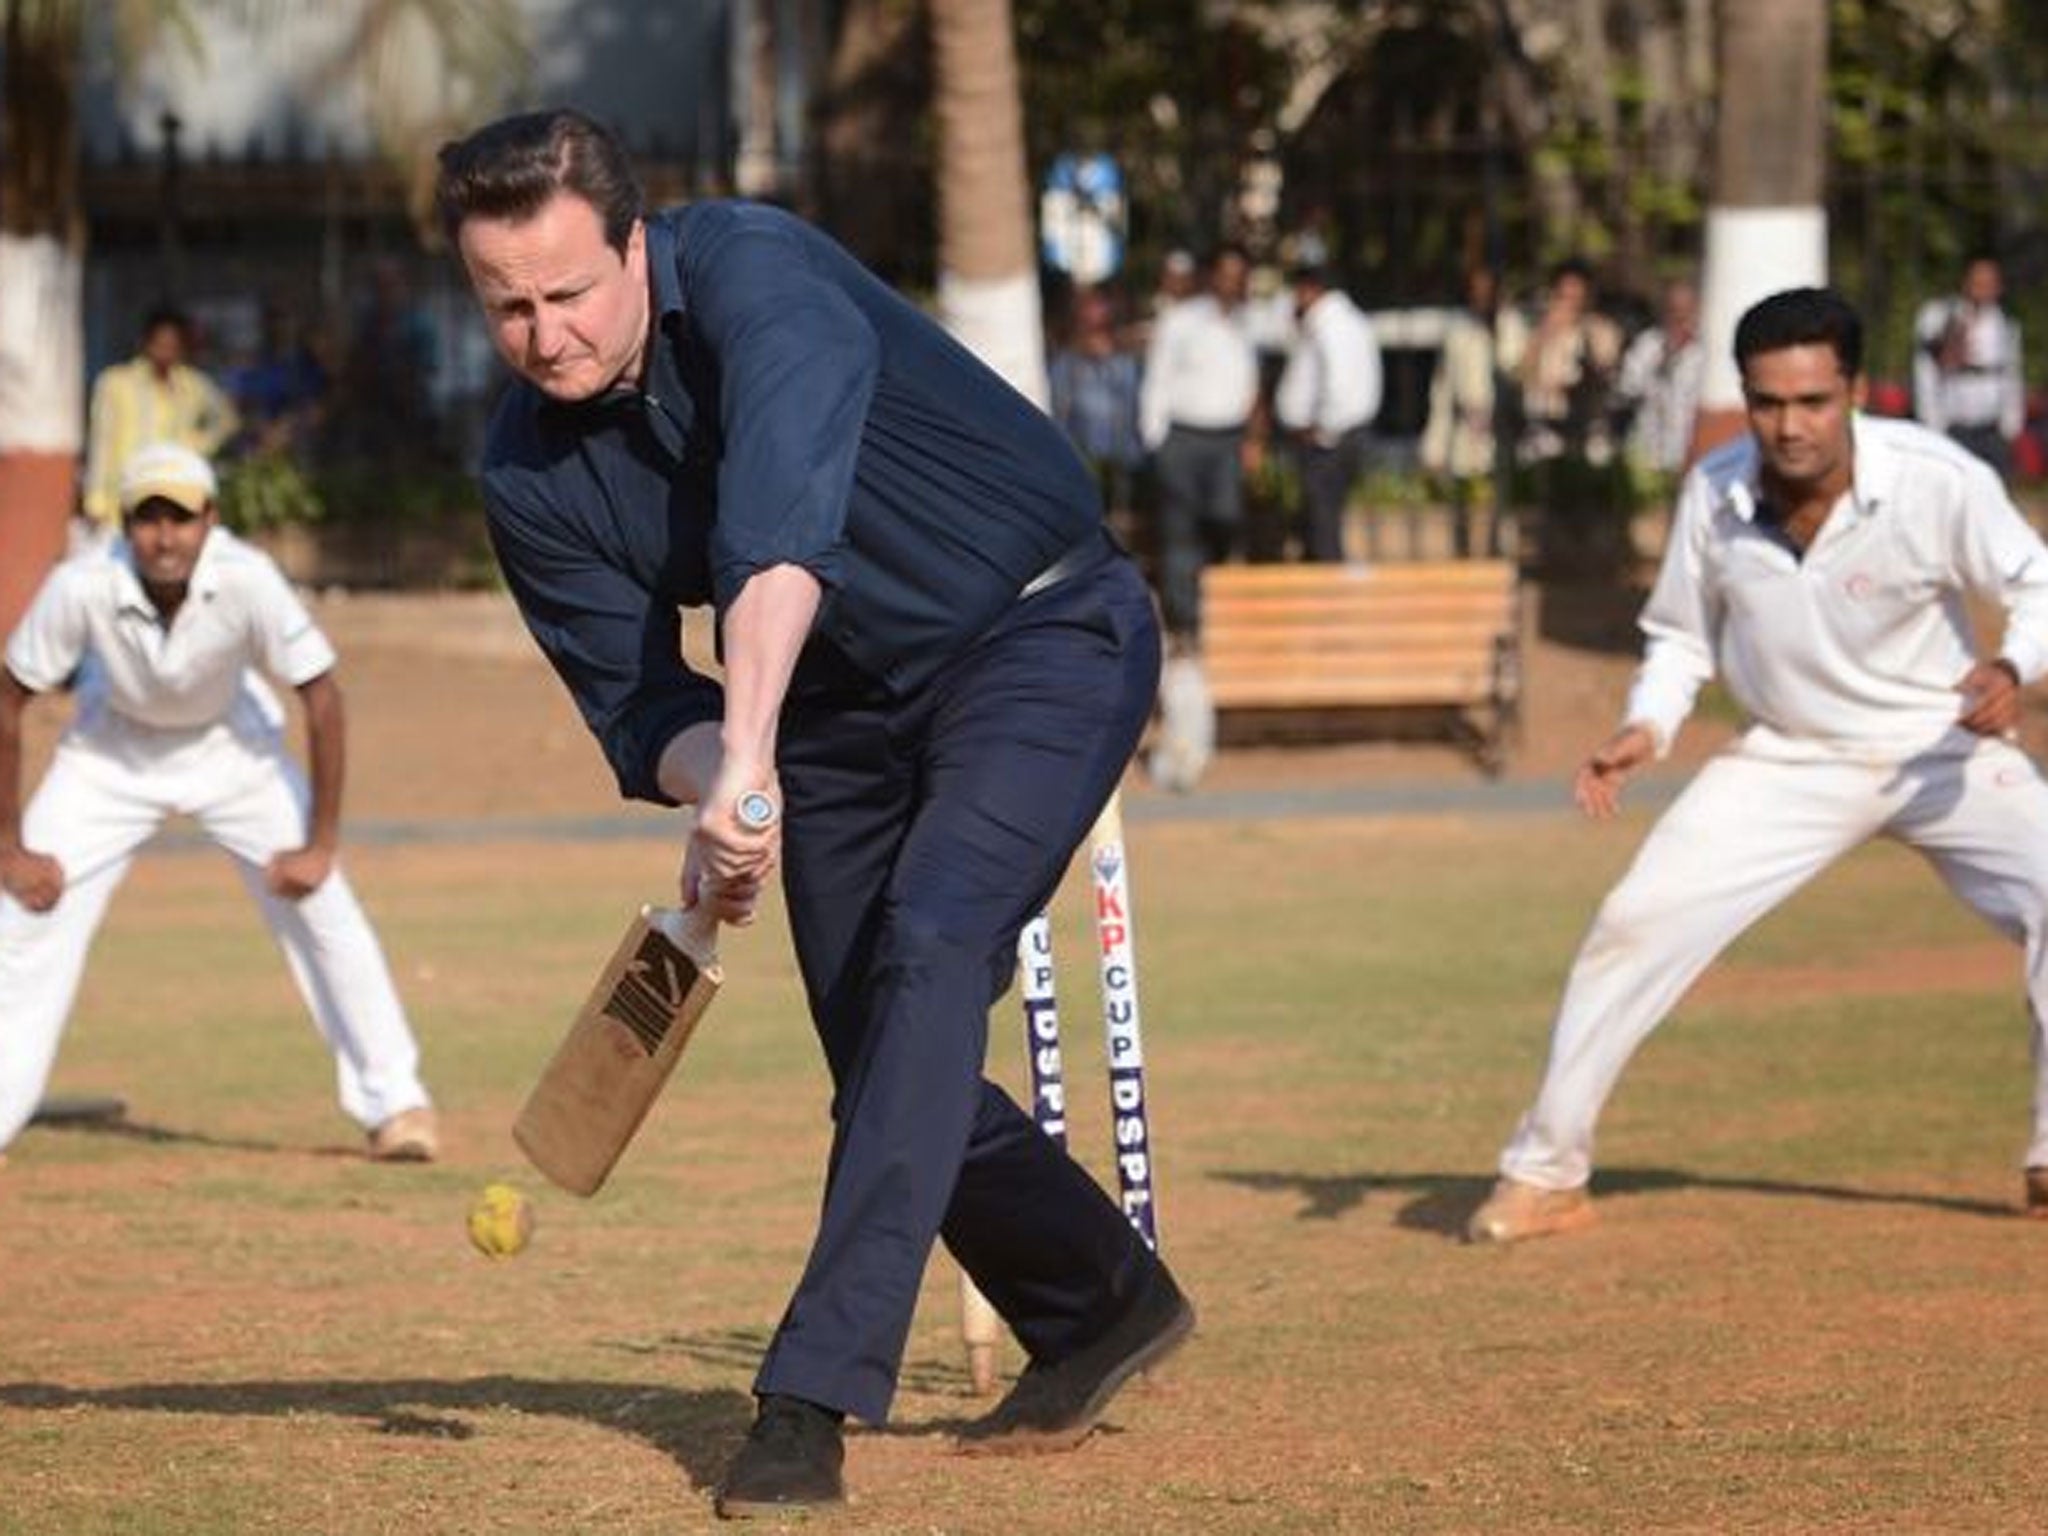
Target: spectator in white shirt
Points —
{"points": [[1195, 408], [1659, 389], [1200, 387], [1967, 378], [1567, 440], [1327, 398], [1472, 404]]}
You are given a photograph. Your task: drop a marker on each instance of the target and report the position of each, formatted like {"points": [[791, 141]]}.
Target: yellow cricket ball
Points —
{"points": [[501, 1221]]}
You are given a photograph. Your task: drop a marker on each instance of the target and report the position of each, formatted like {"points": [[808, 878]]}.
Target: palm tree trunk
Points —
{"points": [[877, 87], [754, 163], [1767, 224], [988, 297], [42, 392], [988, 269]]}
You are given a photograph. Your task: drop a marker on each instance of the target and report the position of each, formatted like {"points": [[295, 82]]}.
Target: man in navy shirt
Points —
{"points": [[934, 659]]}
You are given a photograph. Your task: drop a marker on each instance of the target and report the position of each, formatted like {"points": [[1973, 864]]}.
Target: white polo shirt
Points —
{"points": [[1855, 649], [239, 614]]}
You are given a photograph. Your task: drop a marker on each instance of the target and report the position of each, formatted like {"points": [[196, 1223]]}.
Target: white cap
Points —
{"points": [[170, 471]]}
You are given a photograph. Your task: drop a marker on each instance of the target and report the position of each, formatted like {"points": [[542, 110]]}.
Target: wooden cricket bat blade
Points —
{"points": [[620, 1050]]}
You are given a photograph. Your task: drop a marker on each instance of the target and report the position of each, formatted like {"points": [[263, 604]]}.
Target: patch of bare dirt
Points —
{"points": [[1988, 966]]}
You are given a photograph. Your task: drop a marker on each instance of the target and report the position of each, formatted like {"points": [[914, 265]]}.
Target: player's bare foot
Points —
{"points": [[1516, 1211], [2037, 1193], [410, 1136]]}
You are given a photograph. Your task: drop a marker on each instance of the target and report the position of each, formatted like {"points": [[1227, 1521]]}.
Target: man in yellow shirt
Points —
{"points": [[154, 397]]}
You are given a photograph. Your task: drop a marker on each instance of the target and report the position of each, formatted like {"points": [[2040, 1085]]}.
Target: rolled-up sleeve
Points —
{"points": [[615, 645], [797, 369]]}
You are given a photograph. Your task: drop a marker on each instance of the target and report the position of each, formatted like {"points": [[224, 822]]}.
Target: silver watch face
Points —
{"points": [[755, 809]]}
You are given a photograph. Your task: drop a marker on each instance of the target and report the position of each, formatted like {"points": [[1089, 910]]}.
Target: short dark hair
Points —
{"points": [[1572, 266], [1802, 317], [509, 169], [164, 313]]}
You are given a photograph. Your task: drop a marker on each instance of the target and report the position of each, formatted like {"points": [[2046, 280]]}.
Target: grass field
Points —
{"points": [[1809, 1306]]}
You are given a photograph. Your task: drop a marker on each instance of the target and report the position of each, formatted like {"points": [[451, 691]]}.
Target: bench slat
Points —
{"points": [[1395, 616], [1350, 631], [1348, 692], [1411, 576], [1370, 665], [1280, 661]]}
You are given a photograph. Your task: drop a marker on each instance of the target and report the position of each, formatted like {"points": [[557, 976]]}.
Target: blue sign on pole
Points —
{"points": [[1082, 217]]}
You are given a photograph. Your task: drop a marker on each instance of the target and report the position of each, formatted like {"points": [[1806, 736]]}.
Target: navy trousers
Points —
{"points": [[921, 835]]}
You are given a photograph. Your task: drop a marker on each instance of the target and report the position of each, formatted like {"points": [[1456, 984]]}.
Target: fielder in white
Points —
{"points": [[1820, 566], [164, 629]]}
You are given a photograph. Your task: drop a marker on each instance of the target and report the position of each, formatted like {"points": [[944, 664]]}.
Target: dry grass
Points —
{"points": [[1808, 1308]]}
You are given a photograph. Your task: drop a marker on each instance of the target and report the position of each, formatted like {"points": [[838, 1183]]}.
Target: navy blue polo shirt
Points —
{"points": [[795, 410]]}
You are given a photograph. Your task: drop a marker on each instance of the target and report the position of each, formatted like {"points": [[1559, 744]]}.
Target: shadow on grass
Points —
{"points": [[740, 1349], [1443, 1202], [129, 1129], [697, 1430]]}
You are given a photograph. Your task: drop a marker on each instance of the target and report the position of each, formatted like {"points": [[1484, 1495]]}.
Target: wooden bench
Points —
{"points": [[1321, 642]]}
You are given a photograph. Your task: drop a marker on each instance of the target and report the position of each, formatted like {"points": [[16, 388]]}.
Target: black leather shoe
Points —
{"points": [[791, 1459], [1055, 1404]]}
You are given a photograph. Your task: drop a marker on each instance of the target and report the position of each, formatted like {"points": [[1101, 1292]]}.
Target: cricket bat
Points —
{"points": [[610, 1067], [623, 1045]]}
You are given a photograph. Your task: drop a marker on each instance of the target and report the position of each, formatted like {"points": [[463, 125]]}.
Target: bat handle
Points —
{"points": [[693, 930]]}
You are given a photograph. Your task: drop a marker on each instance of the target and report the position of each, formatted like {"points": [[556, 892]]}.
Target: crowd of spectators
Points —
{"points": [[296, 398], [1231, 414]]}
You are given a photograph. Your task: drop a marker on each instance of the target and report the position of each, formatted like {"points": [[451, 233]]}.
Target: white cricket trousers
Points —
{"points": [[1742, 837], [105, 795]]}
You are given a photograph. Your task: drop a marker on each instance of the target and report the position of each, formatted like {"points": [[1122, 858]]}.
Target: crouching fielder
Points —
{"points": [[163, 630], [1820, 565]]}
